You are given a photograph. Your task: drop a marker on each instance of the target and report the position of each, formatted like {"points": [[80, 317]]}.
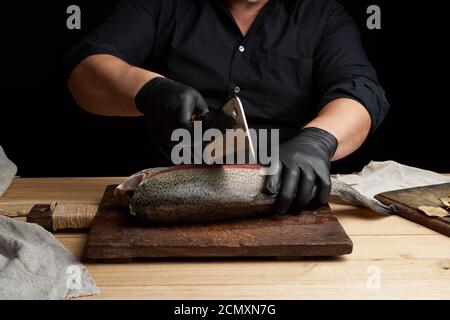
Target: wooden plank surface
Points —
{"points": [[45, 190], [115, 234], [335, 290], [411, 261]]}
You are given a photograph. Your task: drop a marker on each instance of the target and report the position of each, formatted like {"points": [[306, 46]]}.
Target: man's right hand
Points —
{"points": [[168, 105]]}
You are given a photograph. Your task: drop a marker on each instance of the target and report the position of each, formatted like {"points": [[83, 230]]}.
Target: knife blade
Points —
{"points": [[231, 121]]}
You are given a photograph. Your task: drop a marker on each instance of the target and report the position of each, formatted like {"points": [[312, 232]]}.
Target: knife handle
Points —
{"points": [[196, 117]]}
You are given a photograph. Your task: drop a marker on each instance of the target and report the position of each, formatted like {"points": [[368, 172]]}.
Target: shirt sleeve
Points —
{"points": [[128, 33], [342, 69]]}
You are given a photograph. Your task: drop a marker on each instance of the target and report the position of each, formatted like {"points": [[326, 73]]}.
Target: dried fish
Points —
{"points": [[446, 202], [434, 211]]}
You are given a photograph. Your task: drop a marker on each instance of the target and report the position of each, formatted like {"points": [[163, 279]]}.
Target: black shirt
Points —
{"points": [[297, 56]]}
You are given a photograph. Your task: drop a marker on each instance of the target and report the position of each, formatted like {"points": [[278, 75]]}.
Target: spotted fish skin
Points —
{"points": [[193, 194], [190, 194]]}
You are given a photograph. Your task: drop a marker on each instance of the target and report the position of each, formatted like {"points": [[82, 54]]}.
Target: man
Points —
{"points": [[298, 66]]}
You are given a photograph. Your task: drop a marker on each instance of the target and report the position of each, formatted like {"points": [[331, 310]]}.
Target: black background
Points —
{"points": [[46, 134]]}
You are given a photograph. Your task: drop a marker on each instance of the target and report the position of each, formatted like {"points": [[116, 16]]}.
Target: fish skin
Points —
{"points": [[124, 192], [194, 194], [343, 191]]}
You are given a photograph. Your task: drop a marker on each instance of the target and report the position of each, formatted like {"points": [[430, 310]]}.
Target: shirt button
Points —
{"points": [[237, 90], [241, 48]]}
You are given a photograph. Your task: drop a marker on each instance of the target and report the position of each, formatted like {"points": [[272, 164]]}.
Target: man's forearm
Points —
{"points": [[348, 121], [106, 85]]}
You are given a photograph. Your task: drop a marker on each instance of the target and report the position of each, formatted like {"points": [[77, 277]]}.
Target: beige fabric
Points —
{"points": [[379, 177], [7, 171], [34, 265]]}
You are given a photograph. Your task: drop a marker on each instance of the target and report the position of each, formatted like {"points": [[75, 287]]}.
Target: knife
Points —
{"points": [[231, 121]]}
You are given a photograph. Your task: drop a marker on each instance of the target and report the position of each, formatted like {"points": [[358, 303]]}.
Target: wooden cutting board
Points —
{"points": [[115, 234], [408, 200]]}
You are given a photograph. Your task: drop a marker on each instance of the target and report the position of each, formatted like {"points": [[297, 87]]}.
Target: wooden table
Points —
{"points": [[410, 261]]}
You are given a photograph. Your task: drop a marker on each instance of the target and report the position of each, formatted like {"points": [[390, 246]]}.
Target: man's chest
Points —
{"points": [[271, 67]]}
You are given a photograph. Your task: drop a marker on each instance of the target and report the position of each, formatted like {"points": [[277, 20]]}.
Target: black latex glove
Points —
{"points": [[304, 175], [168, 105]]}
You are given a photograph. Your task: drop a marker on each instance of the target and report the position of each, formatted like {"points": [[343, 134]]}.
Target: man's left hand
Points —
{"points": [[303, 177]]}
